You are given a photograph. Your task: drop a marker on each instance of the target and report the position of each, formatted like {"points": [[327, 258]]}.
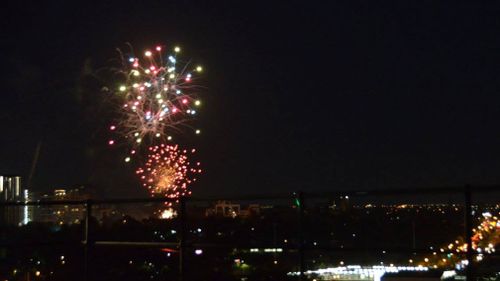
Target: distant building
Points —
{"points": [[60, 193], [28, 212], [11, 191], [341, 203], [230, 210], [62, 214], [10, 188], [224, 209], [67, 213]]}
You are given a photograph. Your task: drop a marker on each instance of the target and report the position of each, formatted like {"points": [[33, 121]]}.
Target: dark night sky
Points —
{"points": [[300, 95]]}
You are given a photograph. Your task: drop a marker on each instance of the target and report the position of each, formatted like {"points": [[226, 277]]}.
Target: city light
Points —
{"points": [[168, 213], [358, 272]]}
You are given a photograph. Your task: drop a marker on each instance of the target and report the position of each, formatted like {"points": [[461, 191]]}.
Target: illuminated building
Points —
{"points": [[224, 209], [10, 188], [62, 214], [28, 211], [60, 193], [228, 209], [10, 191], [65, 214]]}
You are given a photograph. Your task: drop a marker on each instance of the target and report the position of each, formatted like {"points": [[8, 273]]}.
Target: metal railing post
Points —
{"points": [[87, 242], [299, 199], [182, 241], [468, 232]]}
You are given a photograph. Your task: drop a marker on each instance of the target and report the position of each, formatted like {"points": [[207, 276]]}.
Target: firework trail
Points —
{"points": [[158, 96]]}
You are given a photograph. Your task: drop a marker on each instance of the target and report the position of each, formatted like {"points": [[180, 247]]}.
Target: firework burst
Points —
{"points": [[158, 96], [168, 171]]}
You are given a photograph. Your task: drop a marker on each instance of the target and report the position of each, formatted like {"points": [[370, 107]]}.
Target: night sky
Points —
{"points": [[299, 95]]}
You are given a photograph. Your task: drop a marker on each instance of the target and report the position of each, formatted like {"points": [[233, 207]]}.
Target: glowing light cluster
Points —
{"points": [[158, 96], [358, 272], [168, 172], [485, 239], [167, 214]]}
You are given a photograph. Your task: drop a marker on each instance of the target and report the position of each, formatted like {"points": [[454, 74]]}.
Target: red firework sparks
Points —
{"points": [[168, 171]]}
